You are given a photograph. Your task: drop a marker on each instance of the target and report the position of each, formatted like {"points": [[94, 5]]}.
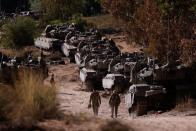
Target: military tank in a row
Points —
{"points": [[102, 66]]}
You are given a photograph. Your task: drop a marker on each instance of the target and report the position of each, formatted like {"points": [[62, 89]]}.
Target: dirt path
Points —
{"points": [[72, 99], [165, 123]]}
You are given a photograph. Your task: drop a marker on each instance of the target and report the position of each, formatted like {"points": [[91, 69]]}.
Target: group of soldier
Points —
{"points": [[95, 102]]}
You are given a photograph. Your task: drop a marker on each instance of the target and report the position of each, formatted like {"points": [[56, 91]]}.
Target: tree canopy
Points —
{"points": [[158, 24], [18, 33], [11, 6], [65, 9]]}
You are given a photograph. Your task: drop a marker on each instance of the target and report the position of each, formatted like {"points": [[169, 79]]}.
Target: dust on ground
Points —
{"points": [[73, 99]]}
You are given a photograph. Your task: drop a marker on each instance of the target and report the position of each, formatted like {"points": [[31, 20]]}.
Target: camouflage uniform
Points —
{"points": [[114, 103], [52, 82], [95, 100]]}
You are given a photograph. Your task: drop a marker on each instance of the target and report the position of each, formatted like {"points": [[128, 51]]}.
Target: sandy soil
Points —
{"points": [[72, 99]]}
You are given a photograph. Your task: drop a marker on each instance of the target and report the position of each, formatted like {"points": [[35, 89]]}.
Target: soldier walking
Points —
{"points": [[52, 82], [95, 102], [114, 103]]}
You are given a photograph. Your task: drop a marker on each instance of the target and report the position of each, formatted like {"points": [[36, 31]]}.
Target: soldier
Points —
{"points": [[114, 103], [95, 100], [52, 82], [40, 58], [41, 53]]}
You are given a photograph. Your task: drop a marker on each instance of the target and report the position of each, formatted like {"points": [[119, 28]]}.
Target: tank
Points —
{"points": [[167, 73], [143, 97], [46, 43], [117, 82], [89, 78], [78, 58], [96, 64], [69, 51]]}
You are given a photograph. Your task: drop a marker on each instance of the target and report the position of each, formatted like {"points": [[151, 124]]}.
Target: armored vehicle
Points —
{"points": [[142, 97], [92, 79], [69, 51], [47, 43], [117, 82], [99, 66]]}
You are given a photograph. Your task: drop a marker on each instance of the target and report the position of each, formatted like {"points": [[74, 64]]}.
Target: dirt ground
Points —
{"points": [[73, 99]]}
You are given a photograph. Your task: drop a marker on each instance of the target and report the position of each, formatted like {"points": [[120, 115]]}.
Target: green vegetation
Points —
{"points": [[28, 101], [14, 5], [35, 5], [60, 9], [86, 7], [56, 22], [104, 21], [55, 11], [81, 23], [91, 7], [18, 33]]}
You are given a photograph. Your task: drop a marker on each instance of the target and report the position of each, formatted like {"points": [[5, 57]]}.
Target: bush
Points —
{"points": [[185, 104], [28, 101], [19, 32], [56, 22], [81, 23], [188, 51], [2, 22]]}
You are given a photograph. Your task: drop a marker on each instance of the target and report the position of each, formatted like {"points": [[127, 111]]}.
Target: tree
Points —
{"points": [[91, 7], [121, 9], [158, 24], [188, 51], [35, 5], [18, 33], [11, 6], [60, 9]]}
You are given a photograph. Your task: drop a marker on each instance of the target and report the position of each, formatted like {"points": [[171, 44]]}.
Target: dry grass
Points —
{"points": [[77, 119], [104, 21], [185, 104], [20, 52], [85, 122], [9, 52], [82, 122], [28, 101]]}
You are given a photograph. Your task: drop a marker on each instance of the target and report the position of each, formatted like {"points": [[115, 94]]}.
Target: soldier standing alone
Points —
{"points": [[114, 103], [95, 102]]}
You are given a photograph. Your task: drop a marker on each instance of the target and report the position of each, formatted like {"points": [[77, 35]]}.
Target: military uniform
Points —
{"points": [[114, 103], [95, 101], [52, 82]]}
